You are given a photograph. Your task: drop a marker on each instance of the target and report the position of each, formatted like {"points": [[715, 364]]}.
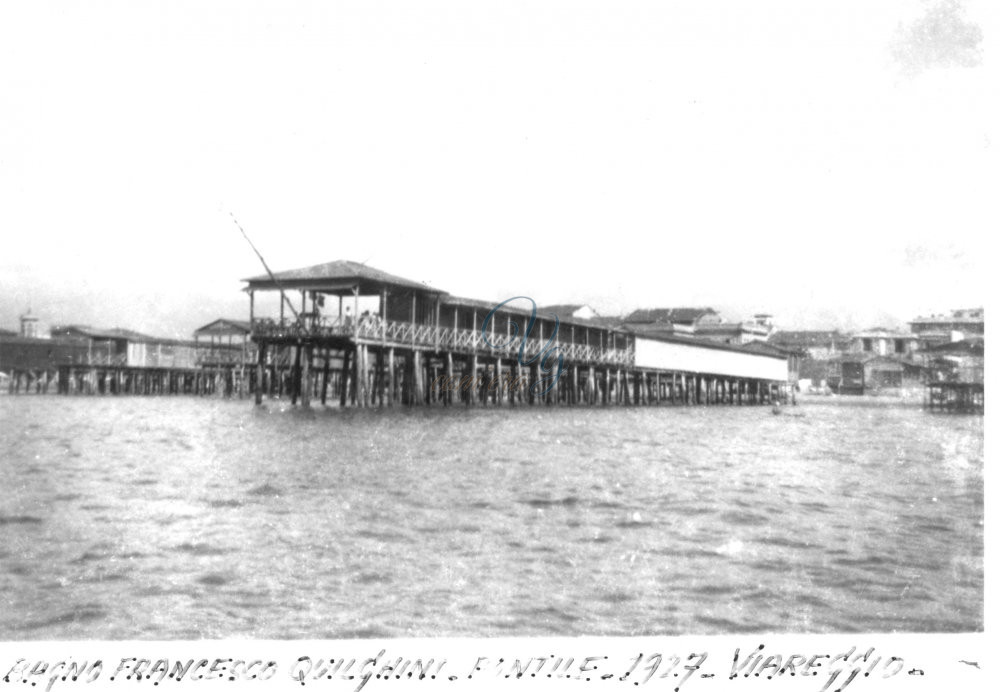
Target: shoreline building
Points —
{"points": [[30, 328], [128, 348], [812, 344], [880, 341], [229, 344], [704, 323], [815, 349], [29, 363], [961, 324], [957, 361], [859, 373]]}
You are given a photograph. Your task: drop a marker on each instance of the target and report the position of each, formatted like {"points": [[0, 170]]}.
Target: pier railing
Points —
{"points": [[224, 358], [392, 333]]}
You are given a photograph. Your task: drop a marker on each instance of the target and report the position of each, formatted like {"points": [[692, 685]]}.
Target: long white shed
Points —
{"points": [[707, 358]]}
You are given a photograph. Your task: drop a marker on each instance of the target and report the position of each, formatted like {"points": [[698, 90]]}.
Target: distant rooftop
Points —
{"points": [[883, 333], [972, 346], [676, 315], [224, 327], [113, 334], [967, 315], [95, 333], [807, 338], [767, 348]]}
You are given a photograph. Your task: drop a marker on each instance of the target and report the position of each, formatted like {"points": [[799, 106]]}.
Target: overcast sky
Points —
{"points": [[832, 163]]}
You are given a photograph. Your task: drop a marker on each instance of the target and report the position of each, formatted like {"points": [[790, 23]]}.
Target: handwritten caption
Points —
{"points": [[828, 672]]}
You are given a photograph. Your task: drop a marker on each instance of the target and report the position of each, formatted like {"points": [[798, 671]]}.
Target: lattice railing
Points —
{"points": [[460, 340]]}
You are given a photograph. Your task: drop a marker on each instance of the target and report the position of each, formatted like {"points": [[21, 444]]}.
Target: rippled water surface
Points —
{"points": [[159, 518]]}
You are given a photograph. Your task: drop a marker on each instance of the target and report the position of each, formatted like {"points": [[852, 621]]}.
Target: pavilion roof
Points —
{"points": [[337, 277]]}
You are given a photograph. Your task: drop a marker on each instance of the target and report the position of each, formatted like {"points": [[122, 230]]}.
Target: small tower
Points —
{"points": [[29, 325]]}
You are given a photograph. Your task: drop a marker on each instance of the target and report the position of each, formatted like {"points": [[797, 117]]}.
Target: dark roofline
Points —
{"points": [[564, 307], [756, 346], [970, 346], [666, 314], [337, 276]]}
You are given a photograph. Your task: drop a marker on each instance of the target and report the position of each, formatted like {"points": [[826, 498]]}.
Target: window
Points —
{"points": [[866, 345], [900, 345]]}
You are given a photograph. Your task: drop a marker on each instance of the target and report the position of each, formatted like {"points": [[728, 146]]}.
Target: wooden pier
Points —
{"points": [[420, 346], [124, 380], [364, 338], [955, 397]]}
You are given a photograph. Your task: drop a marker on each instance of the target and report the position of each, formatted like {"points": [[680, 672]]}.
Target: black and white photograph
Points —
{"points": [[383, 321]]}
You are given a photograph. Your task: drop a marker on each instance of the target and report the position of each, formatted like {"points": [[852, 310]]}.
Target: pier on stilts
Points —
{"points": [[364, 338], [83, 360], [955, 397], [150, 381]]}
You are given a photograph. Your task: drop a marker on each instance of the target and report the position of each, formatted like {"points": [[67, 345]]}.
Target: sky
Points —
{"points": [[830, 163]]}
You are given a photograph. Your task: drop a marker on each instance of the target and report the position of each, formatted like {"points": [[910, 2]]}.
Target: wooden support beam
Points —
{"points": [[296, 374], [307, 376], [418, 379], [497, 383], [326, 375], [380, 376], [390, 372], [345, 376]]}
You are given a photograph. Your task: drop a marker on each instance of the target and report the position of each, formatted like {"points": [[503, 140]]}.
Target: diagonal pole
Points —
{"points": [[267, 268]]}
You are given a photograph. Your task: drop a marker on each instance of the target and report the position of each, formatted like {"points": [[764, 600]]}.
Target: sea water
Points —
{"points": [[161, 518]]}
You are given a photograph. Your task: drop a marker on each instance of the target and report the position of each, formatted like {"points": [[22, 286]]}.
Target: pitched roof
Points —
{"points": [[611, 322], [734, 327], [481, 304], [114, 334], [807, 338], [224, 326], [656, 328], [338, 275], [680, 315], [564, 309], [764, 347], [103, 334]]}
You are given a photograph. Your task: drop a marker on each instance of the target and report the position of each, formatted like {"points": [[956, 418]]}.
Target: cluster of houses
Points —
{"points": [[947, 347], [936, 348]]}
